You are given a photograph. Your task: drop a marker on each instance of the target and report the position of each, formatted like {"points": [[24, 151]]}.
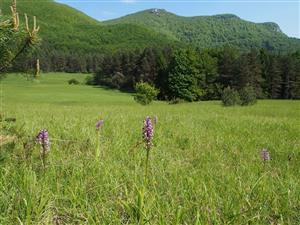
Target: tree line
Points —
{"points": [[194, 74]]}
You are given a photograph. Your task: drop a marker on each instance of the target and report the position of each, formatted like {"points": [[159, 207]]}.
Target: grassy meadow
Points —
{"points": [[205, 166]]}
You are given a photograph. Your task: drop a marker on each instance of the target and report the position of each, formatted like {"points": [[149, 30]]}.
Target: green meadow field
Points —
{"points": [[204, 168]]}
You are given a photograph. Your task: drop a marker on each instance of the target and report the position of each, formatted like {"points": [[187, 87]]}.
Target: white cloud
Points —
{"points": [[128, 1]]}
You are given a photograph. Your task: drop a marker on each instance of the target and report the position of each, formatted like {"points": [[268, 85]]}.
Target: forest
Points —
{"points": [[203, 74]]}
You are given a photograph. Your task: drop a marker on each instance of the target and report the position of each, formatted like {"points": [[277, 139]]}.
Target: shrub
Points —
{"points": [[230, 97], [248, 96], [73, 81], [145, 93]]}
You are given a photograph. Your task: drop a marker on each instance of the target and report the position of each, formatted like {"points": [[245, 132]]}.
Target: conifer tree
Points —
{"points": [[273, 78], [15, 39], [295, 78]]}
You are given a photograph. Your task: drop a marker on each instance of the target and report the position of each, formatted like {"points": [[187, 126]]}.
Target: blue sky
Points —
{"points": [[283, 12]]}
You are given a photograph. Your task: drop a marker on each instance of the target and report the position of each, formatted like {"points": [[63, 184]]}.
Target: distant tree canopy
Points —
{"points": [[194, 74], [15, 40], [213, 31]]}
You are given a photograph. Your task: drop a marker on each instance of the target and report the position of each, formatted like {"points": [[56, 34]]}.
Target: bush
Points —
{"points": [[230, 97], [145, 93], [248, 96], [73, 81]]}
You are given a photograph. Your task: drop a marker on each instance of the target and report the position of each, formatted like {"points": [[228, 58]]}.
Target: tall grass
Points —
{"points": [[205, 162]]}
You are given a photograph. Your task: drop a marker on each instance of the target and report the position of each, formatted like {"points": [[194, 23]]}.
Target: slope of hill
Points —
{"points": [[63, 27], [213, 31], [74, 42]]}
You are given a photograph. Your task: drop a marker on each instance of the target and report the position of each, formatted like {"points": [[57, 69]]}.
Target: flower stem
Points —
{"points": [[43, 156], [98, 147], [147, 163]]}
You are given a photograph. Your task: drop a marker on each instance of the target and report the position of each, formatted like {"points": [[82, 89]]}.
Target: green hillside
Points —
{"points": [[64, 28], [74, 42], [213, 31]]}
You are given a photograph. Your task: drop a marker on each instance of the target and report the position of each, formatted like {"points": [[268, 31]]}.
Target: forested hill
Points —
{"points": [[73, 41], [66, 28], [213, 31]]}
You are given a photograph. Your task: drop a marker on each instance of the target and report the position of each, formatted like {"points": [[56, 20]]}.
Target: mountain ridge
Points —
{"points": [[212, 31], [63, 27], [161, 11], [150, 27]]}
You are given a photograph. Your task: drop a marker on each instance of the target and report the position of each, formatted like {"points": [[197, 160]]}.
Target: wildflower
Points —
{"points": [[99, 124], [43, 139], [148, 132], [265, 155]]}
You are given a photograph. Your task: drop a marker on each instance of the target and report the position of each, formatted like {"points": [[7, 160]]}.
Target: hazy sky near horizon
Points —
{"points": [[283, 12]]}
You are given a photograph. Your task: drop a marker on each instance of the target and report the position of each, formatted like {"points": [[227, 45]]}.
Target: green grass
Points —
{"points": [[205, 166], [54, 89]]}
